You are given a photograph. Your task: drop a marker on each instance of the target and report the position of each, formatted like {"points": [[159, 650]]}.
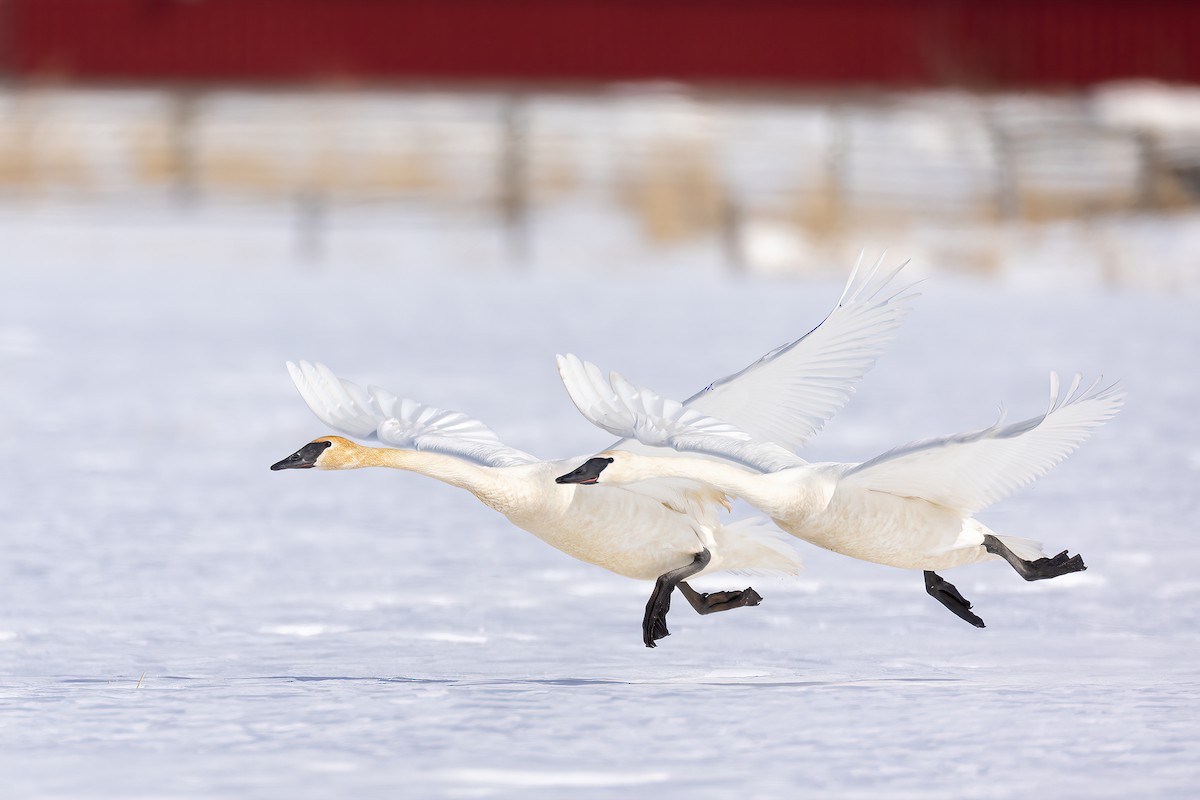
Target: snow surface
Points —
{"points": [[176, 621]]}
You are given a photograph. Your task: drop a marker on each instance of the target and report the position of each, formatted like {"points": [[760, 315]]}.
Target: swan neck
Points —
{"points": [[728, 478], [447, 469]]}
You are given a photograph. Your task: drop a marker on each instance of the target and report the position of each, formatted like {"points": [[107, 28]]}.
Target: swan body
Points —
{"points": [[662, 530], [912, 507], [639, 534], [787, 394]]}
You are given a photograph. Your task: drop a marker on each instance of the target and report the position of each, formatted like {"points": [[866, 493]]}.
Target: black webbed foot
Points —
{"points": [[1044, 568], [712, 602], [945, 593], [654, 623], [724, 601], [1038, 569]]}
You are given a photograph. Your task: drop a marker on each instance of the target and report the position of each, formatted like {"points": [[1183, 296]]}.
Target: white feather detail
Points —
{"points": [[621, 408], [970, 471], [399, 422], [757, 540], [789, 394], [697, 500]]}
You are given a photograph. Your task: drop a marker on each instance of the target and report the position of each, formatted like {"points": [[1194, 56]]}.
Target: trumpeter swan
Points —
{"points": [[661, 530], [666, 531], [912, 507]]}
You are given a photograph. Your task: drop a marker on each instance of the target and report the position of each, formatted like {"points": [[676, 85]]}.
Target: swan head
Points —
{"points": [[326, 452], [603, 468]]}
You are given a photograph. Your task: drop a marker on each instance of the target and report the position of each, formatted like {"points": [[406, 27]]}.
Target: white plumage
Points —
{"points": [[377, 413], [639, 532], [655, 527], [791, 392], [911, 507]]}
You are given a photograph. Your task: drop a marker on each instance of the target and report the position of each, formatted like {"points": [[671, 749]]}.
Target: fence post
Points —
{"points": [[514, 200], [1008, 201], [839, 155], [312, 217], [731, 223], [183, 145], [1149, 169]]}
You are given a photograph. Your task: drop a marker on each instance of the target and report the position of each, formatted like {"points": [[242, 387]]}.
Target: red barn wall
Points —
{"points": [[829, 42]]}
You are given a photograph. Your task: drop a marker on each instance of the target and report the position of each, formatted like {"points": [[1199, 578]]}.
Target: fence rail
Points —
{"points": [[665, 167]]}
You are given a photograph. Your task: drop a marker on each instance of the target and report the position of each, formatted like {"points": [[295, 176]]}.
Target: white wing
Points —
{"points": [[346, 407], [970, 471], [787, 395], [697, 500], [621, 408]]}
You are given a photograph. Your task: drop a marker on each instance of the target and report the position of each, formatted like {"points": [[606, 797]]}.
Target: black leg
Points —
{"points": [[654, 624], [1038, 570], [712, 602], [944, 592]]}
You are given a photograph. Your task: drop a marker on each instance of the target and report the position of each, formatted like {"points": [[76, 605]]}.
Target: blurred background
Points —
{"points": [[1036, 141]]}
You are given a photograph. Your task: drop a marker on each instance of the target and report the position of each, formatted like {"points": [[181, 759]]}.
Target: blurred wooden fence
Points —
{"points": [[669, 167]]}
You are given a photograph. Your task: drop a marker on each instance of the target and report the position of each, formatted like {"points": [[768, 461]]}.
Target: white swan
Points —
{"points": [[665, 530], [912, 507]]}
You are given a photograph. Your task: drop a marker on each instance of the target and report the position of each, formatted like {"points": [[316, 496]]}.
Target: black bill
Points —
{"points": [[586, 474], [304, 458]]}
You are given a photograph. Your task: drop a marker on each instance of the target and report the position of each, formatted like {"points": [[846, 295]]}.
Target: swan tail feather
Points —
{"points": [[754, 546]]}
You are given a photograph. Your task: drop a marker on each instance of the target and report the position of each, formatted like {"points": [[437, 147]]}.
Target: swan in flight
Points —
{"points": [[664, 530], [912, 507]]}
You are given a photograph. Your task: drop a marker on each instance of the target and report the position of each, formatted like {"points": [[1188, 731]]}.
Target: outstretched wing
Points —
{"points": [[970, 471], [787, 395], [377, 413], [621, 408]]}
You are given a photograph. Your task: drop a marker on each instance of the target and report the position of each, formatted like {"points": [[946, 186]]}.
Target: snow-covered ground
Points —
{"points": [[176, 621]]}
